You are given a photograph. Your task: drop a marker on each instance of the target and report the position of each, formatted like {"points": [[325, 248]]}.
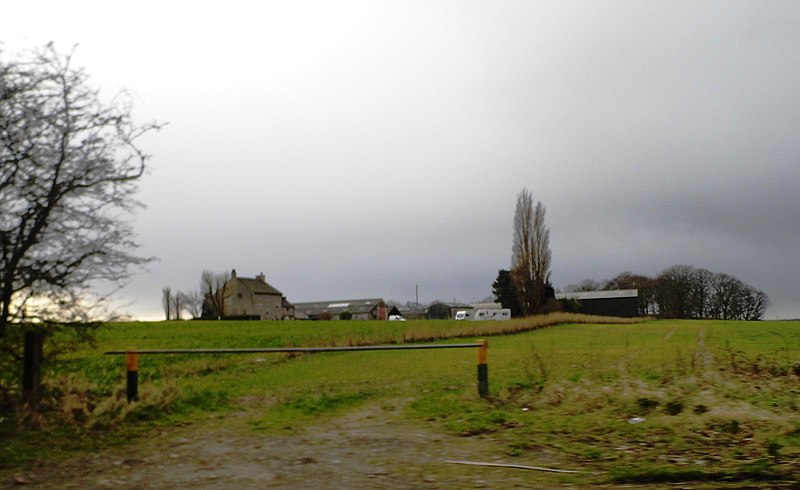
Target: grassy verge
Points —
{"points": [[87, 407], [660, 401]]}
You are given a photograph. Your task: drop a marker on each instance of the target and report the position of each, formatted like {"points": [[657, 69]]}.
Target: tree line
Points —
{"points": [[207, 301], [683, 291], [680, 291]]}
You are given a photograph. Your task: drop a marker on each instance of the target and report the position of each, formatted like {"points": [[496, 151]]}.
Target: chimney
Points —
{"points": [[261, 277], [233, 274]]}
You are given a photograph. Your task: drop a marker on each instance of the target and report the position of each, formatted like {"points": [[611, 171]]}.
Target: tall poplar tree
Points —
{"points": [[531, 255]]}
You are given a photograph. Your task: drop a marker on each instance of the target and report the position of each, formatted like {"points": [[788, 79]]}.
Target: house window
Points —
{"points": [[239, 295]]}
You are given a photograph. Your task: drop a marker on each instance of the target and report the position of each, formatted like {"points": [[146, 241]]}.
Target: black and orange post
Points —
{"points": [[132, 386], [483, 369]]}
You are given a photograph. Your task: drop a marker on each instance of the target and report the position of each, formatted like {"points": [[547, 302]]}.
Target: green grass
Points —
{"points": [[704, 411], [718, 400]]}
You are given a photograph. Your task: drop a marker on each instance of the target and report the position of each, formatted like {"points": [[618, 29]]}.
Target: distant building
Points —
{"points": [[360, 309], [413, 313], [486, 306], [621, 302], [447, 311], [440, 311], [254, 298]]}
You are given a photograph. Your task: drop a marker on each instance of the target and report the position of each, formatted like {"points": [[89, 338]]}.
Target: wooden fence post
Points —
{"points": [[483, 370], [32, 366], [132, 385]]}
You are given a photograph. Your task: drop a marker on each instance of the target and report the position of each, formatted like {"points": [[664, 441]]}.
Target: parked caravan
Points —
{"points": [[498, 314], [463, 315], [493, 314]]}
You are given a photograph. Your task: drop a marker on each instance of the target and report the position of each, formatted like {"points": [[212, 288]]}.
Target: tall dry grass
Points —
{"points": [[436, 330], [520, 325]]}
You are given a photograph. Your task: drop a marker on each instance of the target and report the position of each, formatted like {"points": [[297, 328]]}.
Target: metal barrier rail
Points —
{"points": [[132, 358]]}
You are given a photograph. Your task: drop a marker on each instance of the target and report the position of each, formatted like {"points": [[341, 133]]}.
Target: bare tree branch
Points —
{"points": [[69, 165]]}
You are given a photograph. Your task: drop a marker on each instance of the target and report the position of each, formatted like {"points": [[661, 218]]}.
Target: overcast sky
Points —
{"points": [[358, 149]]}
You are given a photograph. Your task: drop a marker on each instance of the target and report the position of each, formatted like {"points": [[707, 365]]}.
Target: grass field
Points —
{"points": [[656, 401]]}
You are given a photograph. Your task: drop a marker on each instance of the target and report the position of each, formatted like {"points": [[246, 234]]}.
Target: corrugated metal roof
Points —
{"points": [[614, 293], [338, 306]]}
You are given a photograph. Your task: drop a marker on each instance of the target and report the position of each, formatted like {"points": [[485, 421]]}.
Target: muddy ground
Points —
{"points": [[373, 446]]}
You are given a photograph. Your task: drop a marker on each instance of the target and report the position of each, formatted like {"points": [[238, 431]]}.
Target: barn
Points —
{"points": [[358, 309], [619, 302]]}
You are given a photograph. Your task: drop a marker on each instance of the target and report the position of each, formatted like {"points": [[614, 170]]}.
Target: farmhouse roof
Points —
{"points": [[257, 285]]}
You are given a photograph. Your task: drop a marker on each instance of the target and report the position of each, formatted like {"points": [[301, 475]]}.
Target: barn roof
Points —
{"points": [[334, 307], [614, 293]]}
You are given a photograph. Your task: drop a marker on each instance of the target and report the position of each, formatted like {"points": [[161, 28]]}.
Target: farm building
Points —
{"points": [[360, 309], [446, 311], [621, 302], [255, 298], [409, 312]]}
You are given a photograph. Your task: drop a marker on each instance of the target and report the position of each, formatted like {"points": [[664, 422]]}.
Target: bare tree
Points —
{"points": [[541, 254], [177, 304], [700, 286], [69, 168], [646, 287], [521, 251], [213, 287], [585, 285], [193, 302], [756, 305], [166, 301], [673, 292], [530, 262], [726, 296]]}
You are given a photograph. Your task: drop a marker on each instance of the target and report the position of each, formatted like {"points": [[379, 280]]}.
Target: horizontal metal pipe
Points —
{"points": [[296, 349]]}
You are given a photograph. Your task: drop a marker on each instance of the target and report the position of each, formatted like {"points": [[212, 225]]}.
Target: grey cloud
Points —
{"points": [[353, 151]]}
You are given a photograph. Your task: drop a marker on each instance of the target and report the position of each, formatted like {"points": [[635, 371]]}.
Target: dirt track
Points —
{"points": [[371, 447]]}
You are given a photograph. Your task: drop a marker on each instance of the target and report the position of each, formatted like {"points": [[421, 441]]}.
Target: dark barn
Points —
{"points": [[440, 311], [622, 303]]}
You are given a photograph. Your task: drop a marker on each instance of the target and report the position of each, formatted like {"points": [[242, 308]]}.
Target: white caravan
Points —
{"points": [[463, 315], [483, 315]]}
